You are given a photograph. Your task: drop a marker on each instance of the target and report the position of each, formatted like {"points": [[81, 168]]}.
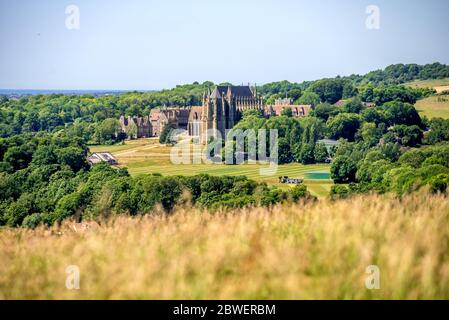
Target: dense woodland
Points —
{"points": [[44, 176]]}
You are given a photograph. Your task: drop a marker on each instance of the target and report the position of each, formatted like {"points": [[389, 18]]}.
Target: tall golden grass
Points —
{"points": [[300, 251]]}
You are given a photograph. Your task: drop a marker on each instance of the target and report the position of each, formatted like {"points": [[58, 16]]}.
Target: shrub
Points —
{"points": [[439, 183], [339, 191], [32, 221]]}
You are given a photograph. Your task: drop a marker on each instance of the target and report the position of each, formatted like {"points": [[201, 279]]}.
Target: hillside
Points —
{"points": [[312, 251], [439, 85], [434, 107]]}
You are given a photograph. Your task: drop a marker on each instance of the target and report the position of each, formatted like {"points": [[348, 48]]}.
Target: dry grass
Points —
{"points": [[442, 89], [289, 252], [438, 84], [434, 107]]}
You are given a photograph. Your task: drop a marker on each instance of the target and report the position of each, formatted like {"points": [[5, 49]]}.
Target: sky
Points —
{"points": [[150, 45]]}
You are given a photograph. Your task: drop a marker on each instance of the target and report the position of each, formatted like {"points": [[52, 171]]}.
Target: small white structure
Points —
{"points": [[102, 157], [288, 180]]}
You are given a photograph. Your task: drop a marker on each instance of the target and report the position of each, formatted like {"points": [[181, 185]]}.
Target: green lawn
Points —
{"points": [[295, 170], [145, 156], [127, 145]]}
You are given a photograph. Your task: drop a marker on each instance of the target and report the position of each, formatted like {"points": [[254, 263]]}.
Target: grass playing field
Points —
{"points": [[144, 156]]}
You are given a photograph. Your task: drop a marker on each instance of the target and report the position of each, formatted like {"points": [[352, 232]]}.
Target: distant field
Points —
{"points": [[145, 156], [434, 107], [439, 85]]}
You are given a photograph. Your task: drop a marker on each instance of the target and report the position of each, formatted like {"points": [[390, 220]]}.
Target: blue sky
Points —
{"points": [[159, 44]]}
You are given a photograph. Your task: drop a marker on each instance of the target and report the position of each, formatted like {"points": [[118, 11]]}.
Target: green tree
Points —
{"points": [[307, 154], [324, 111], [284, 152], [287, 112], [166, 134], [107, 131], [294, 94], [18, 211], [409, 136], [309, 98], [354, 105], [19, 156], [401, 113], [331, 90], [344, 125], [73, 157], [320, 153], [44, 155], [343, 170]]}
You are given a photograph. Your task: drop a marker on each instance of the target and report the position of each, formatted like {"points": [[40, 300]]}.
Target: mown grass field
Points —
{"points": [[304, 251], [148, 156]]}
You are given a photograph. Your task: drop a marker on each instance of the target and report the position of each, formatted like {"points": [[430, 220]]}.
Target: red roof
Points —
{"points": [[297, 110]]}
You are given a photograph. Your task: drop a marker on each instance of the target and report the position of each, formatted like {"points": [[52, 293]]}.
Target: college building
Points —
{"points": [[221, 109]]}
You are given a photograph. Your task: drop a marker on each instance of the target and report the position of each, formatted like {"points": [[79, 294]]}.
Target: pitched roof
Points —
{"points": [[237, 91], [216, 93], [341, 103], [297, 110]]}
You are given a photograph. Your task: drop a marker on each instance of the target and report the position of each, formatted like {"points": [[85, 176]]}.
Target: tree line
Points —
{"points": [[45, 179]]}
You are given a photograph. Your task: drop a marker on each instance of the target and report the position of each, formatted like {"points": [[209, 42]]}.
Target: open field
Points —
{"points": [[148, 156], [311, 251], [439, 85], [434, 107]]}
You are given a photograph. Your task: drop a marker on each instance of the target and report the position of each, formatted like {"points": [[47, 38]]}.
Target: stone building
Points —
{"points": [[195, 121], [221, 109], [153, 124], [136, 127]]}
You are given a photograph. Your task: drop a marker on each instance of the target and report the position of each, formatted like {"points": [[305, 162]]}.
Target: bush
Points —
{"points": [[339, 192], [18, 211], [343, 170], [67, 206], [439, 183], [32, 221], [300, 192]]}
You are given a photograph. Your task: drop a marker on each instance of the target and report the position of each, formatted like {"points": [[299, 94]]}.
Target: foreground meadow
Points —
{"points": [[310, 251]]}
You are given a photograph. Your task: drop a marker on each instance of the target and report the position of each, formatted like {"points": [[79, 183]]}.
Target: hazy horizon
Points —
{"points": [[159, 89], [146, 45]]}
